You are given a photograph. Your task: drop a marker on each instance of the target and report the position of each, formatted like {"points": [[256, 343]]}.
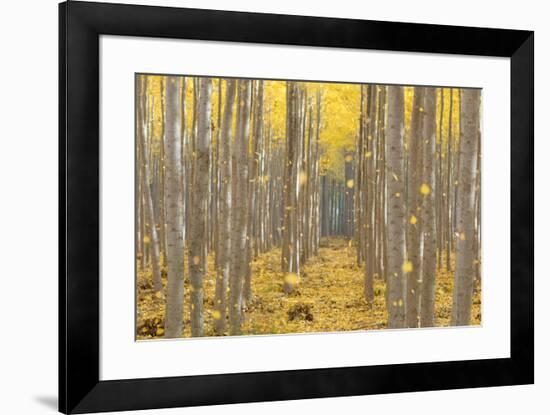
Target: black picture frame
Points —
{"points": [[80, 26]]}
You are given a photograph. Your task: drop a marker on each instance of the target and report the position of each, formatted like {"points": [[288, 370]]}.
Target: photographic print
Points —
{"points": [[269, 207]]}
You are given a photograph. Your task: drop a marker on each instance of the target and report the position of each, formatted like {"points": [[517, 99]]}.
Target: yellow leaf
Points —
{"points": [[413, 220], [425, 189], [196, 260], [349, 183], [302, 178], [160, 331], [291, 278], [216, 315], [146, 239], [407, 267], [158, 294], [462, 237]]}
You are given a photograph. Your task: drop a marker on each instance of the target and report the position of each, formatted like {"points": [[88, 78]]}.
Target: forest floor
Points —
{"points": [[328, 297]]}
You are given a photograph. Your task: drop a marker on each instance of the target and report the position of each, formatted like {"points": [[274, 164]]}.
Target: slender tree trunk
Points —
{"points": [[317, 176], [369, 186], [174, 214], [141, 217], [197, 234], [465, 244], [224, 241], [289, 264], [440, 191], [160, 197], [184, 156], [427, 216], [253, 185], [450, 185], [478, 213], [413, 202], [360, 207], [382, 208], [396, 211], [240, 215]]}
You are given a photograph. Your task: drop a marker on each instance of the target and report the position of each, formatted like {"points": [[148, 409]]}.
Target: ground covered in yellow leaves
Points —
{"points": [[328, 297]]}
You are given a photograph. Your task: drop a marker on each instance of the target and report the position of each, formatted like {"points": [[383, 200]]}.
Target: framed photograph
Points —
{"points": [[259, 207]]}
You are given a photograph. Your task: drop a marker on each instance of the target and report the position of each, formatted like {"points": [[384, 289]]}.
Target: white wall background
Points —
{"points": [[28, 208]]}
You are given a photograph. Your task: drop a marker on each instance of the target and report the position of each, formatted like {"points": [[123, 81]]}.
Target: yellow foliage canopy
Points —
{"points": [[340, 113]]}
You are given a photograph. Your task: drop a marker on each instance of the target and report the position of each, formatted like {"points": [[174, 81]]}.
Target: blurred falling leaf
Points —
{"points": [[407, 267], [425, 189]]}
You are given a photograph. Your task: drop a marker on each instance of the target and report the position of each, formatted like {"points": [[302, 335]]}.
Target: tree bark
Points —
{"points": [[369, 187], [224, 222], [174, 214], [465, 243], [396, 211], [197, 232], [239, 212], [450, 186], [290, 243], [413, 205], [427, 212], [253, 185]]}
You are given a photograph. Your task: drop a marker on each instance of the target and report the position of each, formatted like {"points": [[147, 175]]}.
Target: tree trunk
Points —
{"points": [[290, 242], [427, 213], [440, 191], [239, 217], [465, 243], [174, 214], [197, 231], [369, 187], [450, 185], [413, 204], [253, 185], [396, 211], [224, 221]]}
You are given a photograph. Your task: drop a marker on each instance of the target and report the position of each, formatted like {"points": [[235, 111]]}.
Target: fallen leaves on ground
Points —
{"points": [[328, 297]]}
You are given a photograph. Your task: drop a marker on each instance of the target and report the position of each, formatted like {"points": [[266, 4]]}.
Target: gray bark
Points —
{"points": [[290, 243], [427, 213], [174, 213], [465, 213], [396, 211], [413, 204], [253, 185], [224, 222], [369, 187], [450, 186], [239, 217], [197, 231]]}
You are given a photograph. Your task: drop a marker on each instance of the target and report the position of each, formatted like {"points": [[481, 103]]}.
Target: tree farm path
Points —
{"points": [[328, 297]]}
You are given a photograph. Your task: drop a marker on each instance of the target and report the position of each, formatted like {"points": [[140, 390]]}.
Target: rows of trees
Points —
{"points": [[229, 169]]}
